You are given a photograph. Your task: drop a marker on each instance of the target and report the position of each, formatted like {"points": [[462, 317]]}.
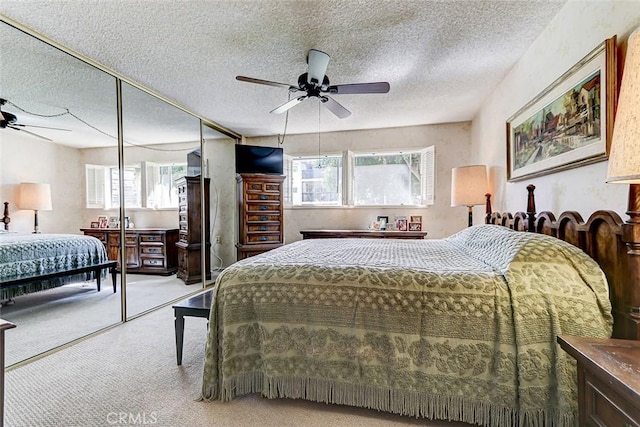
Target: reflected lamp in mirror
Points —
{"points": [[35, 197], [469, 184], [624, 158]]}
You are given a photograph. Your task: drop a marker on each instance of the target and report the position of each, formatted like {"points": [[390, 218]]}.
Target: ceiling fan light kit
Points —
{"points": [[315, 83]]}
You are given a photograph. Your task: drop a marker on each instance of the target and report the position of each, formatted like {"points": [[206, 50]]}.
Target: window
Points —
{"points": [[400, 178], [146, 185], [369, 179], [315, 181]]}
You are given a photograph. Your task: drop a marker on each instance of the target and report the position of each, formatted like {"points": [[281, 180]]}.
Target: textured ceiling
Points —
{"points": [[441, 58]]}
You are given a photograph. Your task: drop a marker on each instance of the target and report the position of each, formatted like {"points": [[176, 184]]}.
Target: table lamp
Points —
{"points": [[36, 197], [469, 185], [624, 161]]}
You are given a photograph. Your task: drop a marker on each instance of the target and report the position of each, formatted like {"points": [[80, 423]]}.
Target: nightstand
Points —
{"points": [[608, 380]]}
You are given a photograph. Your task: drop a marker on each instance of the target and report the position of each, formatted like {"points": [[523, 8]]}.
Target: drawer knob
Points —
{"points": [[263, 207], [263, 238], [264, 218], [263, 228], [264, 197]]}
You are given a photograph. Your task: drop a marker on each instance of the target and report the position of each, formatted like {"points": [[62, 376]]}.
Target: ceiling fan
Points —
{"points": [[8, 121], [316, 85]]}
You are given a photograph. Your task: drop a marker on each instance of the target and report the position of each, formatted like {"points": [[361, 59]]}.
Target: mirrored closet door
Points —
{"points": [[59, 121]]}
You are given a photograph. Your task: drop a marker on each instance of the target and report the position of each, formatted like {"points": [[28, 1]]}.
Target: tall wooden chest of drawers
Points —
{"points": [[147, 250], [261, 222], [190, 225]]}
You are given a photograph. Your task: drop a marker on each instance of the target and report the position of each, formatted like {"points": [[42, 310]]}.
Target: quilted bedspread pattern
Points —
{"points": [[462, 328], [37, 254]]}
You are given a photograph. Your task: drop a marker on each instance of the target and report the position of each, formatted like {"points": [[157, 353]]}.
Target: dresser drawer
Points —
{"points": [[130, 239], [152, 250], [262, 207], [100, 235], [263, 227], [270, 187], [275, 197], [263, 238], [267, 216], [604, 407], [151, 239], [153, 262]]}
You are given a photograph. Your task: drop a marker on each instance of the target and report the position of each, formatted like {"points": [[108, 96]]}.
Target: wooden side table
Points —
{"points": [[608, 380], [366, 234]]}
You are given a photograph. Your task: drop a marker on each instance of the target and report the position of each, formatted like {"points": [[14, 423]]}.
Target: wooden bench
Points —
{"points": [[96, 268], [196, 306]]}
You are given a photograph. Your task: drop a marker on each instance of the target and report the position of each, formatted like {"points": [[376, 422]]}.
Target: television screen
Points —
{"points": [[256, 159]]}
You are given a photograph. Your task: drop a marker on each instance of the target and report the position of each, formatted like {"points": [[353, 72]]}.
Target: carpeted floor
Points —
{"points": [[54, 317], [128, 376]]}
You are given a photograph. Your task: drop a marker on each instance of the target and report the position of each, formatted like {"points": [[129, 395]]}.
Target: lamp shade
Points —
{"points": [[624, 157], [469, 184], [34, 196]]}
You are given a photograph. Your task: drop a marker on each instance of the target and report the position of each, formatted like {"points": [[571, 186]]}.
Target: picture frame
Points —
{"points": [[114, 222], [416, 218], [384, 222], [570, 123], [401, 223], [415, 226], [95, 224], [103, 222]]}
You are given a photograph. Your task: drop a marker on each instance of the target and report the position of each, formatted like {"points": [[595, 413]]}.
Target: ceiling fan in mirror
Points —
{"points": [[315, 84], [10, 121]]}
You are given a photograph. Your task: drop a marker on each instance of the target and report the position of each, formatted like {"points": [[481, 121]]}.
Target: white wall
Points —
{"points": [[27, 159], [578, 28], [452, 146]]}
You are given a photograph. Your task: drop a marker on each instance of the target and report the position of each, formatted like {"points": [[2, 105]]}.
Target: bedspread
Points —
{"points": [[37, 254], [462, 328]]}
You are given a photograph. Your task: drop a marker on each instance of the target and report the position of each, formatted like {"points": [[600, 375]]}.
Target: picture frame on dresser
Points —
{"points": [[570, 123]]}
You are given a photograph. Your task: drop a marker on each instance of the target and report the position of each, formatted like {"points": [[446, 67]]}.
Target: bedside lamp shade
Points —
{"points": [[36, 197], [624, 156], [469, 185]]}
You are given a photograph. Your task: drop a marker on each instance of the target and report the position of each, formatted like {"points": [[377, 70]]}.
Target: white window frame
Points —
{"points": [[289, 181], [98, 185], [427, 173]]}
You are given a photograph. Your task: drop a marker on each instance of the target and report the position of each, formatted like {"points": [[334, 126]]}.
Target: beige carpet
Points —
{"points": [[128, 376], [54, 317]]}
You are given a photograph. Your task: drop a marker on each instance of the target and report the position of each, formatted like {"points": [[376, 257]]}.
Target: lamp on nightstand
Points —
{"points": [[469, 185], [36, 197], [624, 161]]}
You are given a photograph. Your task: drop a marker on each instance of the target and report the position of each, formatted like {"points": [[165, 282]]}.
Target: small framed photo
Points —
{"points": [[95, 224], [384, 222], [103, 222], [401, 223], [415, 226], [114, 222], [416, 218]]}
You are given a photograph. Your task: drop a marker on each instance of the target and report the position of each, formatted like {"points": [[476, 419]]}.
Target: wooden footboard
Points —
{"points": [[612, 243]]}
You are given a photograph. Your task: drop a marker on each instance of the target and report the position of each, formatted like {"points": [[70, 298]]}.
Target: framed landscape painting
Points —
{"points": [[570, 123]]}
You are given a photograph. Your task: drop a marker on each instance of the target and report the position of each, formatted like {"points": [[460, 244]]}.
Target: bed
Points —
{"points": [[462, 328], [34, 262]]}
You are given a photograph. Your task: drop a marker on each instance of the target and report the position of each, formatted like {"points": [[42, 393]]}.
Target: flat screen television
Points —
{"points": [[257, 159]]}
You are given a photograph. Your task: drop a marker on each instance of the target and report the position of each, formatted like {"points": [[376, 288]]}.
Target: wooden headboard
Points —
{"points": [[612, 243], [5, 216]]}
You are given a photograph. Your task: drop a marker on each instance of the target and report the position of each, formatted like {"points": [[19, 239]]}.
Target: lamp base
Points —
{"points": [[470, 215]]}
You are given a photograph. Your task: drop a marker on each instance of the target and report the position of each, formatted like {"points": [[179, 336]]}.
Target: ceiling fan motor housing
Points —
{"points": [[306, 86]]}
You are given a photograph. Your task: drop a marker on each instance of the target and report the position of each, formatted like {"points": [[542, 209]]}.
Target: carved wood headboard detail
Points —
{"points": [[5, 217], [603, 238]]}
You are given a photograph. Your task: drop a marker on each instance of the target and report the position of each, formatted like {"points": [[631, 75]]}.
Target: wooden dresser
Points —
{"points": [[363, 234], [608, 380], [261, 222], [190, 223], [147, 250]]}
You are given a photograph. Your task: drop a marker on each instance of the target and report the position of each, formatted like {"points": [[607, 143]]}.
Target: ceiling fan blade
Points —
{"points": [[30, 133], [335, 107], [40, 127], [265, 82], [287, 105], [318, 62], [377, 87]]}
